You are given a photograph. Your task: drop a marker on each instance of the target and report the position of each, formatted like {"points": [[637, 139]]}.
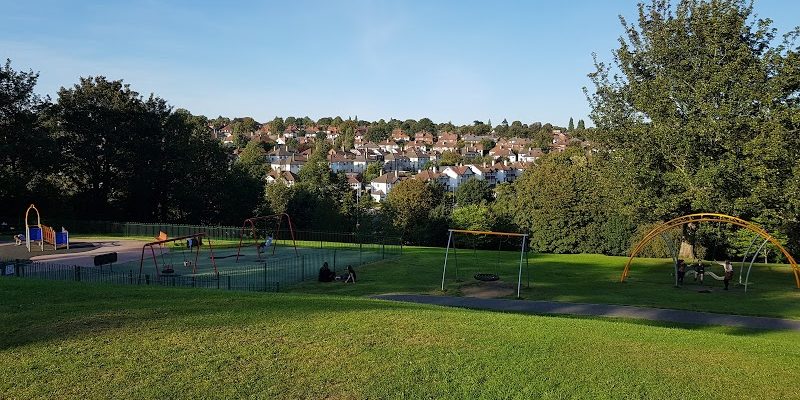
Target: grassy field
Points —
{"points": [[67, 340], [588, 278]]}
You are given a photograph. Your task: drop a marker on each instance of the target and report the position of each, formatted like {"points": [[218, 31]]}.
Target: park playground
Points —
{"points": [[271, 344]]}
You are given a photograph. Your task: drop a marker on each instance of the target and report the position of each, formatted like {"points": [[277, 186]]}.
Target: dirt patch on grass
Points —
{"points": [[488, 290]]}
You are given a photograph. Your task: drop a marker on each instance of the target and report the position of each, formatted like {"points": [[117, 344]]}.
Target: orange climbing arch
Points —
{"points": [[710, 217]]}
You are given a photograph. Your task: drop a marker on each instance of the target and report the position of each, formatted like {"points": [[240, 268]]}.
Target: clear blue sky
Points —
{"points": [[448, 60]]}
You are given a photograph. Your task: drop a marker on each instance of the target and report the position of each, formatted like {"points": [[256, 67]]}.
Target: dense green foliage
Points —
{"points": [[702, 104], [473, 191], [167, 343], [102, 151], [418, 211]]}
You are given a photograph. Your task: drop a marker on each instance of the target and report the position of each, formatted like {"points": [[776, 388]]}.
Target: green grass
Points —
{"points": [[587, 278], [68, 340]]}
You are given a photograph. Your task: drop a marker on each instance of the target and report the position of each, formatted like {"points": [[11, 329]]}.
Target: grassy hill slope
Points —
{"points": [[68, 340]]}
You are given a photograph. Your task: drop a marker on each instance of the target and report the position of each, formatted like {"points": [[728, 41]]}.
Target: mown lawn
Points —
{"points": [[588, 278], [70, 340]]}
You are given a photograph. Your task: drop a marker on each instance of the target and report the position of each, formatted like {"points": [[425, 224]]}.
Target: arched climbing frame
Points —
{"points": [[710, 217]]}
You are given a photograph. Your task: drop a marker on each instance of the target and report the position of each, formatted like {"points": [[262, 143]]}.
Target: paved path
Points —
{"points": [[127, 250], [602, 310]]}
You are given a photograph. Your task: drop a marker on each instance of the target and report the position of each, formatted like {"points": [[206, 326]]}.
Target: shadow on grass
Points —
{"points": [[39, 311], [583, 278]]}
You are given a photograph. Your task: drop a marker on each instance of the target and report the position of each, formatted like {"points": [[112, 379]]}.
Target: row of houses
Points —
{"points": [[451, 177], [286, 166], [402, 157]]}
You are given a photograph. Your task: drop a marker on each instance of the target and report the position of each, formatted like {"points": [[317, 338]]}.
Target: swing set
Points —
{"points": [[188, 253], [263, 233], [486, 276]]}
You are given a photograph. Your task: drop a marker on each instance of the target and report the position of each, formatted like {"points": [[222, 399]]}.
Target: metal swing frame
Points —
{"points": [[249, 225], [160, 243], [522, 252]]}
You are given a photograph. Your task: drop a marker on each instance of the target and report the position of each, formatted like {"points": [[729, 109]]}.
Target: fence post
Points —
{"points": [[265, 277], [146, 279], [130, 277], [383, 249], [302, 268], [78, 273], [229, 282], [334, 259]]}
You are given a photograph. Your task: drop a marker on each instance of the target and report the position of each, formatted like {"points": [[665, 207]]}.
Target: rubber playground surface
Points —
{"points": [[80, 253]]}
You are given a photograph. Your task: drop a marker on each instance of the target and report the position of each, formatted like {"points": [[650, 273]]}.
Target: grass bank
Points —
{"points": [[588, 278], [67, 340]]}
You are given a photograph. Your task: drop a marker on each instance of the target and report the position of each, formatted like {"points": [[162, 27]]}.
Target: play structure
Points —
{"points": [[184, 254], [264, 234], [39, 234], [485, 276], [661, 229]]}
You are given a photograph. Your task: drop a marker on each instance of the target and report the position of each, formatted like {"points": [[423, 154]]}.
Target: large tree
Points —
{"points": [[570, 203], [474, 191], [702, 103], [27, 153], [411, 206]]}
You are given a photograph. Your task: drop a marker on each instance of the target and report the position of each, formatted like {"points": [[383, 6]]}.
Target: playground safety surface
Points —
{"points": [[12, 251]]}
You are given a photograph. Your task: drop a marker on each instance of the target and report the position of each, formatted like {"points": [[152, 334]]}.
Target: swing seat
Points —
{"points": [[167, 270], [487, 277]]}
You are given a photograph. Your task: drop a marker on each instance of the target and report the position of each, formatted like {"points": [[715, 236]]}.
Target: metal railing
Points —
{"points": [[271, 275]]}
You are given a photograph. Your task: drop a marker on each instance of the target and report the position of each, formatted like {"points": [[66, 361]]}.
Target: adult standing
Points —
{"points": [[728, 267]]}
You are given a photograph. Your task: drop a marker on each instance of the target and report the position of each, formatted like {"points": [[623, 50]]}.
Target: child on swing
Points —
{"points": [[262, 247]]}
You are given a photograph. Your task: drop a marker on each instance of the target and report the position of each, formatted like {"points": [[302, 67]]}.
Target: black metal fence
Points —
{"points": [[222, 233], [270, 275]]}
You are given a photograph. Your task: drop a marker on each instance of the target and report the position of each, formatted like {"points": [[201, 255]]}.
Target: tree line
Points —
{"points": [[698, 111]]}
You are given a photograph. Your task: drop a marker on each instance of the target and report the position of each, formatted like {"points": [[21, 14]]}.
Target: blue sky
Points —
{"points": [[448, 60]]}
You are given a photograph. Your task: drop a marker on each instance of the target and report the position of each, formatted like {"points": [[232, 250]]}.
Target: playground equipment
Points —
{"points": [[193, 243], [693, 274], [43, 234], [486, 276], [255, 226], [719, 218]]}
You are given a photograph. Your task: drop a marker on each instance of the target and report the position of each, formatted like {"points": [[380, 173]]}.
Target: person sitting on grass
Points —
{"points": [[351, 275], [325, 273], [18, 239]]}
